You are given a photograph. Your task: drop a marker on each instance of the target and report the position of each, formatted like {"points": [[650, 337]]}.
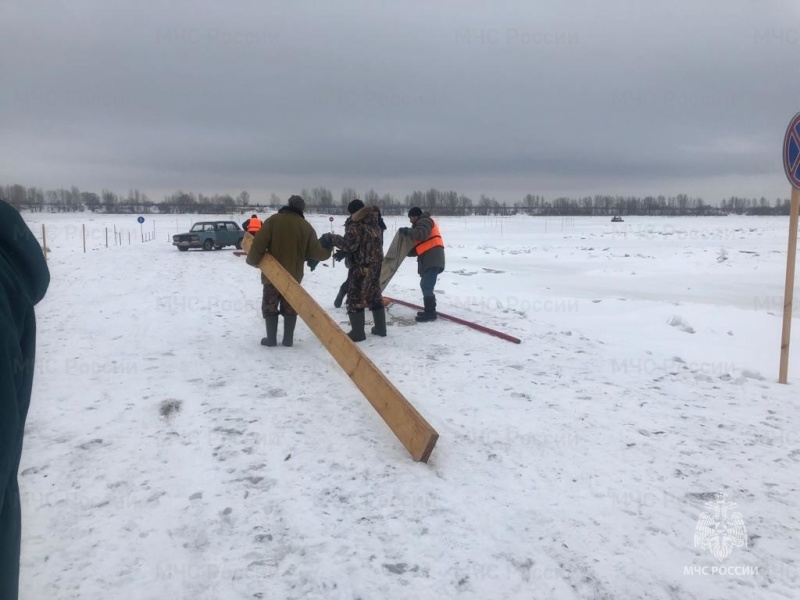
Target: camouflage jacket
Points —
{"points": [[363, 238]]}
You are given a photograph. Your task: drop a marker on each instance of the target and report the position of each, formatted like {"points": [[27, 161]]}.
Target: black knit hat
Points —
{"points": [[297, 203], [415, 212], [355, 206]]}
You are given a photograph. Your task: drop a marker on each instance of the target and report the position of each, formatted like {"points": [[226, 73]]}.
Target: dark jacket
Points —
{"points": [[363, 238], [432, 258], [290, 239], [24, 278]]}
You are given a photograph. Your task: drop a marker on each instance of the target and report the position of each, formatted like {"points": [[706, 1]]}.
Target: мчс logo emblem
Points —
{"points": [[720, 529]]}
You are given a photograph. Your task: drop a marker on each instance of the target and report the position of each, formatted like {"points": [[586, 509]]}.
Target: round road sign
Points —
{"points": [[791, 152]]}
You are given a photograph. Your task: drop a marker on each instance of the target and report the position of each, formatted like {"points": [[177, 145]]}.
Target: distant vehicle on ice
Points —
{"points": [[208, 235], [617, 219]]}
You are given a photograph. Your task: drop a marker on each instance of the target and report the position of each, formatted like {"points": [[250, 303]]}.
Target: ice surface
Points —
{"points": [[168, 455]]}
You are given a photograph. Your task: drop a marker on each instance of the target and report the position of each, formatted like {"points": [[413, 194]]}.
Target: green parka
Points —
{"points": [[291, 239]]}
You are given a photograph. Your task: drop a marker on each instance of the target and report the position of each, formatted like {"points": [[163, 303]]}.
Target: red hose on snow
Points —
{"points": [[493, 332]]}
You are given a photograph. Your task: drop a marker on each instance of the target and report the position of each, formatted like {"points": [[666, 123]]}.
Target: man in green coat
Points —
{"points": [[24, 278], [288, 237]]}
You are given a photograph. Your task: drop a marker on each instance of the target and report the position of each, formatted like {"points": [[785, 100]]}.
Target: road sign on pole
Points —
{"points": [[791, 152], [791, 164]]}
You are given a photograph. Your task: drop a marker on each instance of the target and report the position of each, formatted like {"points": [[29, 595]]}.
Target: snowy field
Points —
{"points": [[169, 456]]}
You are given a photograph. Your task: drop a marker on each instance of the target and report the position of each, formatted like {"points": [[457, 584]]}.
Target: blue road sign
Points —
{"points": [[791, 152], [140, 219]]}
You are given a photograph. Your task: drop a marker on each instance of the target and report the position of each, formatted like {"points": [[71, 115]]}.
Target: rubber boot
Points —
{"points": [[272, 331], [340, 296], [430, 310], [357, 326], [425, 302], [288, 330], [379, 316]]}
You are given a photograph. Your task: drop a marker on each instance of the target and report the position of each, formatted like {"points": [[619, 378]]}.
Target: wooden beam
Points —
{"points": [[413, 431]]}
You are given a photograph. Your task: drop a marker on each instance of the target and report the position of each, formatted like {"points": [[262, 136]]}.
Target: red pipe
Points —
{"points": [[493, 332]]}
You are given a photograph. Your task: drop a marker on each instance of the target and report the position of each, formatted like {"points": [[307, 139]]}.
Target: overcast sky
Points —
{"points": [[503, 97]]}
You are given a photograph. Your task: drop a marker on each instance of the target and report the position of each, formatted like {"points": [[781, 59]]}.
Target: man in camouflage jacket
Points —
{"points": [[363, 243]]}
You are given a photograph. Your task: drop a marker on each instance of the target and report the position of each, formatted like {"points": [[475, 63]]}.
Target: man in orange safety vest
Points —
{"points": [[429, 250]]}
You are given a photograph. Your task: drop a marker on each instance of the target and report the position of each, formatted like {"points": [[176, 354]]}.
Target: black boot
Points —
{"points": [[430, 310], [288, 330], [340, 296], [379, 316], [272, 331], [426, 302], [357, 326]]}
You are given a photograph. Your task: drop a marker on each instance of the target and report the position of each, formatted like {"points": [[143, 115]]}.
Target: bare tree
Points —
{"points": [[348, 195]]}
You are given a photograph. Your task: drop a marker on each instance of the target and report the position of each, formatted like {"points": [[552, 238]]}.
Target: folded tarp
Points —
{"points": [[392, 259]]}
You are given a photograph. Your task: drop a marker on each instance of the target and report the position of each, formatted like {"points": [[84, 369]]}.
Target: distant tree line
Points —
{"points": [[440, 202]]}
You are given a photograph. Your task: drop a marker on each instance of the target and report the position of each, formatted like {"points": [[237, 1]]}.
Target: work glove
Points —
{"points": [[325, 241], [339, 255], [312, 264]]}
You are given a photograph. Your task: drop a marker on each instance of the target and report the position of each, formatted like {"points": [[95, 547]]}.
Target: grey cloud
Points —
{"points": [[508, 97]]}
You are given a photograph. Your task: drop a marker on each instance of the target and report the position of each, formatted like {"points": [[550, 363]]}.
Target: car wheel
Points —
{"points": [[208, 244], [239, 244], [182, 249]]}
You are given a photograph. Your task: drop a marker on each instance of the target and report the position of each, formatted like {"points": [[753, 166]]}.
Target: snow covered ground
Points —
{"points": [[169, 456]]}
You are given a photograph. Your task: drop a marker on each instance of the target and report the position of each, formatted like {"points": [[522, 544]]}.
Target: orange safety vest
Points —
{"points": [[435, 239], [253, 225]]}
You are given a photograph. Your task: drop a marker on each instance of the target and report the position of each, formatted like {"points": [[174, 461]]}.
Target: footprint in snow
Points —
{"points": [[169, 407], [680, 324]]}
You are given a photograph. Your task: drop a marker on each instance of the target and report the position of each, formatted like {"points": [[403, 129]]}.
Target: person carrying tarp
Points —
{"points": [[429, 250]]}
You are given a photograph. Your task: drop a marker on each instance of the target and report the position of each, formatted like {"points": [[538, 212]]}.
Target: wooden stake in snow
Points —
{"points": [[791, 164], [333, 261], [83, 227], [44, 243], [406, 423]]}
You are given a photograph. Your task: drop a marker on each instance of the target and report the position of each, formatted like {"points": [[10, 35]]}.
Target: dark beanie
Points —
{"points": [[297, 203], [415, 212], [355, 206]]}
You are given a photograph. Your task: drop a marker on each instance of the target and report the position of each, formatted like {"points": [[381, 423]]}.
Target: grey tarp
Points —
{"points": [[392, 259]]}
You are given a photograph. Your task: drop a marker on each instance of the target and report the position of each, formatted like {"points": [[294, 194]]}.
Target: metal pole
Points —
{"points": [[789, 289]]}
